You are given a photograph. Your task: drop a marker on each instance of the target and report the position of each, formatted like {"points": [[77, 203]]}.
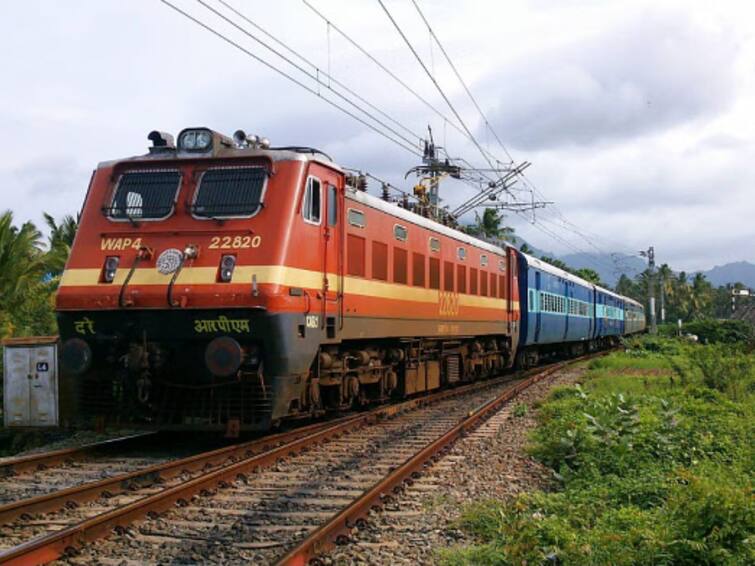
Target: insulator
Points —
{"points": [[362, 183]]}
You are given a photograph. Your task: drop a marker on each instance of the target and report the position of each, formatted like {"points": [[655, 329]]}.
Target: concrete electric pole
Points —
{"points": [[650, 254]]}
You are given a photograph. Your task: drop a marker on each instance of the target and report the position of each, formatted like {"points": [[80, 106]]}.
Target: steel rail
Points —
{"points": [[43, 460], [337, 529], [153, 474], [49, 547]]}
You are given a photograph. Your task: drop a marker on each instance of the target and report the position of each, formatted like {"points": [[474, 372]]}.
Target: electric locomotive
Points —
{"points": [[222, 283]]}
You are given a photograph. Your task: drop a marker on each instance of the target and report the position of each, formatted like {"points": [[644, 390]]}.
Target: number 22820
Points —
{"points": [[234, 242]]}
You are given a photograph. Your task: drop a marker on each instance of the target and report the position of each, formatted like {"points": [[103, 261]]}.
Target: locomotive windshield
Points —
{"points": [[144, 194], [230, 192]]}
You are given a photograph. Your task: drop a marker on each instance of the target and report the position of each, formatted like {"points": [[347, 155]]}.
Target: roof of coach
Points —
{"points": [[553, 270], [632, 301], [404, 214], [611, 293], [274, 154]]}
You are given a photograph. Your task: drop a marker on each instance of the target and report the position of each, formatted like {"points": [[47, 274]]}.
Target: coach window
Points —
{"points": [[472, 281], [484, 260], [434, 273], [312, 199], [462, 253], [434, 245], [332, 205], [448, 276], [418, 270]]}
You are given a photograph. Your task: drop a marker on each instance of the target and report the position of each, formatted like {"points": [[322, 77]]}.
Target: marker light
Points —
{"points": [[227, 264], [111, 266]]}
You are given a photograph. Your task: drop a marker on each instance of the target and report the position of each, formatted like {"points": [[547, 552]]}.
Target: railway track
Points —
{"points": [[39, 473], [297, 492]]}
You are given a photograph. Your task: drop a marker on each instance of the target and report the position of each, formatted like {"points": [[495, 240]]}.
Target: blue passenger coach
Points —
{"points": [[609, 313], [564, 314], [558, 310]]}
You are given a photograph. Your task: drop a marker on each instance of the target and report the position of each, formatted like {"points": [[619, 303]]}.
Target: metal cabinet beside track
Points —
{"points": [[30, 382]]}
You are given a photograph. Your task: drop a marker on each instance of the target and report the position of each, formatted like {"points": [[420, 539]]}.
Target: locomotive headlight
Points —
{"points": [[195, 140], [110, 268], [227, 264]]}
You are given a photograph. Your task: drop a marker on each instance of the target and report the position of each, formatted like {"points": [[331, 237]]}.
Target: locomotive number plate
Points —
{"points": [[234, 242]]}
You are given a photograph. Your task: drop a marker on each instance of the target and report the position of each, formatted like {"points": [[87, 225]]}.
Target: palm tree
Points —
{"points": [[60, 242], [21, 266], [64, 232], [589, 275], [665, 278], [702, 296], [488, 226]]}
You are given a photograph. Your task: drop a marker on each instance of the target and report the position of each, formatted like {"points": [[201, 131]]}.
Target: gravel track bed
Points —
{"points": [[256, 519], [40, 482], [491, 463]]}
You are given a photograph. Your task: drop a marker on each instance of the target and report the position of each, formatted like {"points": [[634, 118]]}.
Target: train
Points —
{"points": [[221, 283]]}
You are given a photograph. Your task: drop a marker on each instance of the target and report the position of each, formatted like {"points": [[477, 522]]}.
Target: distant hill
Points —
{"points": [[609, 266], [736, 272]]}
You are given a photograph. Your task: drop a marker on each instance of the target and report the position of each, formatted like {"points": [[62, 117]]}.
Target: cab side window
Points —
{"points": [[311, 207], [332, 205]]}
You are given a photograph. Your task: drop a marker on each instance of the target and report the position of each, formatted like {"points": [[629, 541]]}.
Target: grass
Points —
{"points": [[654, 453]]}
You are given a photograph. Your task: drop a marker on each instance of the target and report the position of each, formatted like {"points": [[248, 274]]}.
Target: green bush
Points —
{"points": [[649, 475], [721, 331], [725, 369]]}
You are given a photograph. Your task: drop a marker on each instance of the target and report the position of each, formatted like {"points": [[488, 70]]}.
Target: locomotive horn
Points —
{"points": [[243, 140]]}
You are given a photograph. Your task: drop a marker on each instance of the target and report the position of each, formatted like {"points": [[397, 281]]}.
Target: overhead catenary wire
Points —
{"points": [[291, 78], [437, 86], [328, 75], [461, 80], [313, 76], [575, 229], [396, 138], [382, 66]]}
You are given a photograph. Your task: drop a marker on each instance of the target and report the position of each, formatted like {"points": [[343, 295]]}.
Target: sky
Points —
{"points": [[638, 116]]}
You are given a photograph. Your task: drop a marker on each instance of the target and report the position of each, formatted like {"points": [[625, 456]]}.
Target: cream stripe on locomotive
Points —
{"points": [[278, 275]]}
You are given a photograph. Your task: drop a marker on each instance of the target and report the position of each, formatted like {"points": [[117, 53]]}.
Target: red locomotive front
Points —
{"points": [[220, 282]]}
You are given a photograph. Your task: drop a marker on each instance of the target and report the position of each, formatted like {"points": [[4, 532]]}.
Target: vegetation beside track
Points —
{"points": [[655, 459]]}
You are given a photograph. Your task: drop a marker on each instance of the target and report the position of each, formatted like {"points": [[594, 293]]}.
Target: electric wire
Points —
{"points": [[294, 80], [461, 80], [385, 69], [319, 71], [435, 82], [575, 229], [299, 68]]}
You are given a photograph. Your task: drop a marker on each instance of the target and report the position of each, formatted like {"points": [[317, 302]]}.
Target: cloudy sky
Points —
{"points": [[638, 117]]}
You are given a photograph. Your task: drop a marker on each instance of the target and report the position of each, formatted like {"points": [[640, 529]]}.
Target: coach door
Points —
{"points": [[332, 260]]}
